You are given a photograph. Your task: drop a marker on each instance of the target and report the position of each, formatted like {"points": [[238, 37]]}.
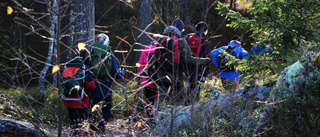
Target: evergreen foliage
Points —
{"points": [[282, 25]]}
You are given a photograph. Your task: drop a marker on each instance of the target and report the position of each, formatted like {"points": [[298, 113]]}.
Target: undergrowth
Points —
{"points": [[26, 104]]}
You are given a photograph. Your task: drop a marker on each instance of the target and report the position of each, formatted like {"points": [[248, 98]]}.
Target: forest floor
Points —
{"points": [[116, 127]]}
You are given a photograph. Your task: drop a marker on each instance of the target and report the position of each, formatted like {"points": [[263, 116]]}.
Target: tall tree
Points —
{"points": [[82, 25], [232, 4], [144, 20], [205, 5], [185, 8], [81, 21], [53, 18], [164, 13]]}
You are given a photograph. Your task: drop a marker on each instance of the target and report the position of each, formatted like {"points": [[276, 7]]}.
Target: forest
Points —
{"points": [[277, 93]]}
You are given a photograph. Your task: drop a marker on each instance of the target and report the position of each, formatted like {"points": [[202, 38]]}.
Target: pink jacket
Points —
{"points": [[143, 63]]}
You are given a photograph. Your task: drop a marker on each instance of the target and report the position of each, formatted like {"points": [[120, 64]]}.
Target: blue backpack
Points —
{"points": [[222, 61]]}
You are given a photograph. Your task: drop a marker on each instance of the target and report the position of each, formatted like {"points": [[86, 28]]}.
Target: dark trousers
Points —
{"points": [[193, 89], [176, 91], [150, 94], [106, 106], [106, 112], [194, 76], [77, 116]]}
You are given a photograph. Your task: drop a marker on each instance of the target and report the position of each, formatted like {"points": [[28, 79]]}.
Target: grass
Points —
{"points": [[26, 104], [236, 119]]}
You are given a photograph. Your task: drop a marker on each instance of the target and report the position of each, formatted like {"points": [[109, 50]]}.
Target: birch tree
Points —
{"points": [[53, 18]]}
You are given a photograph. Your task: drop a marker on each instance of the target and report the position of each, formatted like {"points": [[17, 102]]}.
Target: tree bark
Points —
{"points": [[81, 22], [232, 5], [144, 19], [91, 22], [185, 8], [205, 4], [57, 55], [122, 10], [44, 71], [164, 13]]}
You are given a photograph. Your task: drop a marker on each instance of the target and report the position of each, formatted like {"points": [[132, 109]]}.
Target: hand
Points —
{"points": [[223, 67], [122, 71]]}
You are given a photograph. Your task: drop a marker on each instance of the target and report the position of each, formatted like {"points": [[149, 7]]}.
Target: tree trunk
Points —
{"points": [[164, 14], [81, 22], [232, 5], [185, 8], [91, 22], [122, 10], [205, 4], [50, 51], [144, 19], [57, 55]]}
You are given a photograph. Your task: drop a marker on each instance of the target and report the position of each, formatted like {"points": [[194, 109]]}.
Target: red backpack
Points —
{"points": [[169, 55], [195, 44]]}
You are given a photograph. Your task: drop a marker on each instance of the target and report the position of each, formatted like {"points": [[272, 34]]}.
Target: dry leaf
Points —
{"points": [[55, 69], [81, 46], [9, 10], [94, 108], [138, 65], [139, 124]]}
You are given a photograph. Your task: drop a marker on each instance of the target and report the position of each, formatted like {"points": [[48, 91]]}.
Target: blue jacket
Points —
{"points": [[228, 75], [260, 49], [104, 87]]}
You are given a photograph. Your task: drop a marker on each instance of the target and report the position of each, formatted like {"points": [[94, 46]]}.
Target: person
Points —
{"points": [[178, 23], [229, 75], [261, 49], [197, 73], [150, 89], [104, 91], [172, 82], [78, 110]]}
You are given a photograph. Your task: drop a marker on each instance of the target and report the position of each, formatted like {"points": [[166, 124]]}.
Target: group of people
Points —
{"points": [[190, 58], [168, 86], [194, 56], [97, 90]]}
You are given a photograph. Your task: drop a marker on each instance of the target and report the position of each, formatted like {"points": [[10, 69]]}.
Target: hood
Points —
{"points": [[172, 30]]}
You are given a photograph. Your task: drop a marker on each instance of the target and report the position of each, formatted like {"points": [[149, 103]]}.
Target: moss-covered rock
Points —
{"points": [[295, 99]]}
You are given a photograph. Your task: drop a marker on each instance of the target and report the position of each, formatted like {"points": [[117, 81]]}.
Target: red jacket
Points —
{"points": [[89, 86]]}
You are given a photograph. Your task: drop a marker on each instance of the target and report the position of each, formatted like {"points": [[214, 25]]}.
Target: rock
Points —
{"points": [[10, 128]]}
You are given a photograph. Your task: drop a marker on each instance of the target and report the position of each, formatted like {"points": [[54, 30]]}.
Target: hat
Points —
{"points": [[102, 39], [85, 54], [235, 37], [201, 26], [171, 30], [178, 23]]}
